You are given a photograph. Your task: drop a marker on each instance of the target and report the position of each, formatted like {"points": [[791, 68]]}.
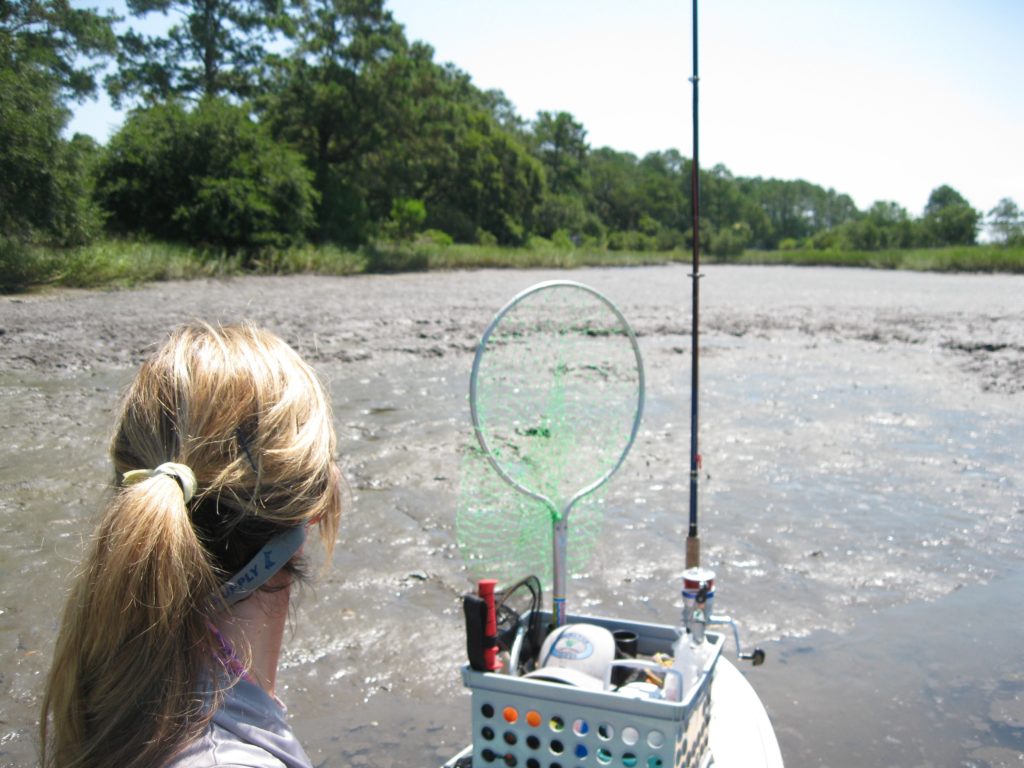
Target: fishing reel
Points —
{"points": [[698, 601]]}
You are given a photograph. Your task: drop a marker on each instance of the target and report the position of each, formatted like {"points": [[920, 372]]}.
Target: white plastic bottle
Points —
{"points": [[685, 661]]}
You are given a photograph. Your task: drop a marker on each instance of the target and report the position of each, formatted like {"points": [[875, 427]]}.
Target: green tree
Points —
{"points": [[407, 218], [209, 176], [479, 182], [340, 97], [615, 190], [560, 143], [68, 45], [49, 55], [884, 225], [949, 219], [504, 112], [217, 48], [379, 121], [494, 184], [1006, 222], [665, 191], [796, 209]]}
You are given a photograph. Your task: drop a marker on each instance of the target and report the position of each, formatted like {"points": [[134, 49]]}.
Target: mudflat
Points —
{"points": [[863, 498]]}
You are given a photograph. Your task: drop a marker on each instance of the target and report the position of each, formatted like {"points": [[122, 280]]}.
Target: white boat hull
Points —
{"points": [[740, 733]]}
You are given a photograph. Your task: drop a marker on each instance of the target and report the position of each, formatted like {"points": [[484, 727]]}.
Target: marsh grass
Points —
{"points": [[108, 263], [974, 258], [123, 263], [545, 256]]}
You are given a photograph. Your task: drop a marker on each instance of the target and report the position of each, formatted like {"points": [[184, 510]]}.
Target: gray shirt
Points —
{"points": [[248, 731]]}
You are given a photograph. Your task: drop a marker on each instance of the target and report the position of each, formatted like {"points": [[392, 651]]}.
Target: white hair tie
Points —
{"points": [[186, 477]]}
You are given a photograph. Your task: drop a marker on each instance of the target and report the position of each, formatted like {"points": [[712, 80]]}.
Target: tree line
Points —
{"points": [[263, 123]]}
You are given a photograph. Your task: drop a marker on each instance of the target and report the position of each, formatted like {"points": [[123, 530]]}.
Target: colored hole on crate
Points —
{"points": [[510, 760], [630, 735], [487, 732], [580, 727], [510, 714], [533, 762], [604, 757], [581, 751], [629, 760], [557, 724], [557, 747], [655, 739], [533, 742], [488, 755], [510, 738], [487, 710], [653, 762], [533, 718], [605, 731]]}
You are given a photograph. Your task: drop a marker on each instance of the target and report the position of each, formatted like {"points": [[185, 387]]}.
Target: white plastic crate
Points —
{"points": [[527, 723]]}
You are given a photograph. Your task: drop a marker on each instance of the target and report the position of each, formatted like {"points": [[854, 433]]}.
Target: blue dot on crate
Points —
{"points": [[581, 751], [580, 727]]}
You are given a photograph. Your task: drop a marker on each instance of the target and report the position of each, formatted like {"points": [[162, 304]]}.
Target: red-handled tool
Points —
{"points": [[485, 589]]}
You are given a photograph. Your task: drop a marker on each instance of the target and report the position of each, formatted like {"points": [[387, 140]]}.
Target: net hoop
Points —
{"points": [[558, 514]]}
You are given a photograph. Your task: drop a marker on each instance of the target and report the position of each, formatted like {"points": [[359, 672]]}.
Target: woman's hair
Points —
{"points": [[134, 667]]}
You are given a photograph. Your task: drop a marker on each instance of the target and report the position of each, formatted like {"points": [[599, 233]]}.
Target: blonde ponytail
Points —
{"points": [[135, 675], [141, 607]]}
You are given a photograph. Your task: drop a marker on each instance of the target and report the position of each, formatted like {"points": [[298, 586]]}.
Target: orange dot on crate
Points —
{"points": [[510, 714], [533, 718]]}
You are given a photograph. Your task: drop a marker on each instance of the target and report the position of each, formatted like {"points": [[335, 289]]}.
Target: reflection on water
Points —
{"points": [[861, 503]]}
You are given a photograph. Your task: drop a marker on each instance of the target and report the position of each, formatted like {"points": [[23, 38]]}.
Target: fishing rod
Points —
{"points": [[699, 583], [693, 539]]}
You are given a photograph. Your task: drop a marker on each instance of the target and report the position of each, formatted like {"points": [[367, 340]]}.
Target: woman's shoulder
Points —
{"points": [[248, 731], [220, 748]]}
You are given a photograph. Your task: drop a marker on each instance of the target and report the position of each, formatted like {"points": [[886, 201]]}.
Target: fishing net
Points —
{"points": [[504, 534], [556, 395]]}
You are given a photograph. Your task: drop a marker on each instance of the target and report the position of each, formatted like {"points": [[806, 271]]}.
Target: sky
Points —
{"points": [[878, 99]]}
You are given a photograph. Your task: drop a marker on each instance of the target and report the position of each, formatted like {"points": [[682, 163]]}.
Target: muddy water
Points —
{"points": [[863, 500]]}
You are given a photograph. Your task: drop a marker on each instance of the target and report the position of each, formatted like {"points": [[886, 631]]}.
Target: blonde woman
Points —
{"points": [[167, 654]]}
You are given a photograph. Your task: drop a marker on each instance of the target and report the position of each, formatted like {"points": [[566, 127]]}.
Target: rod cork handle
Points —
{"points": [[692, 551]]}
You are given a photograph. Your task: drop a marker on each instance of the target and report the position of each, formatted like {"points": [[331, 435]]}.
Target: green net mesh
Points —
{"points": [[505, 535], [557, 394]]}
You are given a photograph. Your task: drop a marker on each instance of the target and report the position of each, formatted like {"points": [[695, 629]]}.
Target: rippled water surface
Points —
{"points": [[862, 502]]}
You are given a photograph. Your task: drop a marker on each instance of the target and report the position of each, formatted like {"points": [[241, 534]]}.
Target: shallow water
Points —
{"points": [[863, 502]]}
